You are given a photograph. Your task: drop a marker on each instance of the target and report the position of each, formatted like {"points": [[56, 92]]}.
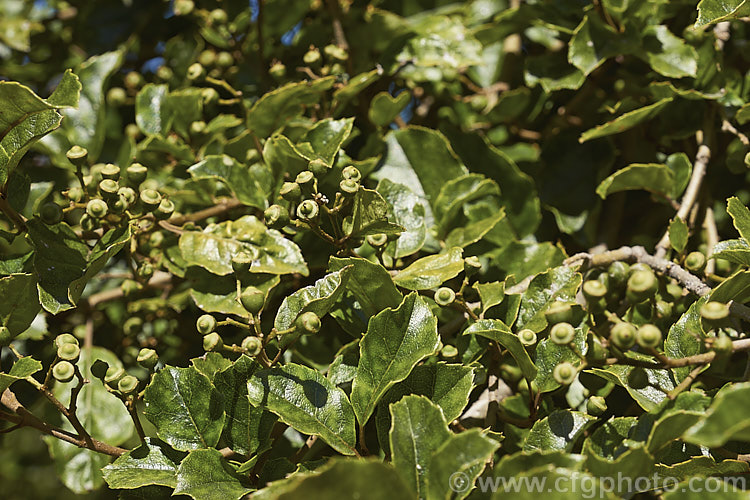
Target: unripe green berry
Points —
{"points": [[336, 52], [638, 378], [147, 358], [224, 59], [448, 351], [74, 194], [623, 335], [69, 352], [290, 191], [304, 177], [51, 213], [145, 271], [695, 262], [77, 156], [618, 273], [118, 206], [444, 296], [241, 263], [97, 209], [88, 223], [65, 338], [648, 336], [212, 342], [136, 174], [252, 300], [132, 131], [277, 70], [150, 198], [664, 309], [218, 16], [209, 95], [559, 312], [472, 265], [99, 369], [164, 73], [183, 7], [63, 371], [594, 289], [352, 173], [638, 266], [714, 311], [377, 240], [276, 216], [132, 326], [116, 96], [307, 210], [564, 373], [127, 384], [674, 292], [642, 285], [195, 71], [110, 171], [114, 374], [165, 209], [722, 345], [207, 57], [318, 167], [348, 187], [205, 324], [312, 56], [562, 333], [252, 345], [133, 80], [596, 406], [527, 337], [108, 188], [197, 127], [127, 194], [308, 322]]}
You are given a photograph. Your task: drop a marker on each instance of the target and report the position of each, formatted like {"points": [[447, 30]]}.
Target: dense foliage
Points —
{"points": [[385, 249]]}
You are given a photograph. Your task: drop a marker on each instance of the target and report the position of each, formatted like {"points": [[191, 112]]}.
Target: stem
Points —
{"points": [[16, 218], [130, 405]]}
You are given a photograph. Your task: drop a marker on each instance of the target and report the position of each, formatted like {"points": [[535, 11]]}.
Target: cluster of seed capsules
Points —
{"points": [[627, 308]]}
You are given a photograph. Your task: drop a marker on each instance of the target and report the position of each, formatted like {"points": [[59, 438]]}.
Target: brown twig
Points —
{"points": [[712, 238]]}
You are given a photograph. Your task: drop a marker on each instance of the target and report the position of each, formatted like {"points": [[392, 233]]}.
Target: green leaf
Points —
{"points": [[152, 463], [736, 288], [653, 177], [304, 399], [275, 108], [743, 114], [667, 54], [187, 411], [678, 234], [681, 169], [205, 475], [695, 488], [465, 454], [418, 430], [214, 247], [569, 485], [22, 368], [79, 469], [549, 355], [25, 117], [356, 85], [396, 340], [648, 396], [496, 330], [559, 284], [152, 115], [522, 461], [463, 236], [685, 338], [247, 429], [318, 298], [446, 385], [210, 364], [20, 303], [251, 185], [490, 294], [725, 419], [457, 193], [408, 211], [521, 259], [431, 271], [740, 217], [737, 251], [593, 42], [626, 121], [552, 72], [558, 431], [326, 138], [219, 293], [715, 11], [702, 466], [369, 216], [369, 283], [384, 108]]}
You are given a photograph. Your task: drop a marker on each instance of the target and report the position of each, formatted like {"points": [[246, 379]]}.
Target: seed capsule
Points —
{"points": [[562, 333], [212, 342], [308, 322], [445, 296], [596, 406], [642, 285], [252, 345], [69, 352], [648, 336], [564, 373], [252, 300], [527, 337], [63, 371], [308, 210], [147, 358], [205, 324], [695, 262], [623, 335], [127, 384], [51, 213]]}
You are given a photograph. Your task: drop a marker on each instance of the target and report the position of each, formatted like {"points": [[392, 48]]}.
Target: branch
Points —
{"points": [[220, 208], [691, 194], [159, 279]]}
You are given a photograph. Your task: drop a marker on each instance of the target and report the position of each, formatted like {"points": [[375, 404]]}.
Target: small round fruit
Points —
{"points": [[304, 177], [444, 296], [559, 312], [218, 16], [318, 167], [77, 156], [562, 333], [108, 188], [165, 209], [308, 210], [638, 378], [277, 70], [99, 369], [352, 173], [63, 371], [150, 199], [209, 95], [623, 335], [448, 351], [714, 311], [114, 374], [5, 336], [133, 80], [164, 73], [618, 273], [224, 59], [290, 191], [127, 384], [722, 345], [116, 96], [349, 187], [594, 290], [197, 127], [69, 352], [695, 262], [136, 174], [97, 208], [648, 336], [564, 373], [196, 71], [377, 240], [252, 300], [65, 338], [527, 337], [596, 406], [212, 342], [276, 216], [74, 194], [205, 324], [110, 171], [51, 213], [252, 345], [664, 309], [308, 322], [642, 285], [472, 265], [147, 358], [674, 292], [312, 56], [88, 223], [241, 263]]}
